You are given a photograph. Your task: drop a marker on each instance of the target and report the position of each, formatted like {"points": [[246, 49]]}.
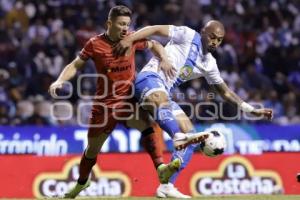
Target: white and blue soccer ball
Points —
{"points": [[214, 145]]}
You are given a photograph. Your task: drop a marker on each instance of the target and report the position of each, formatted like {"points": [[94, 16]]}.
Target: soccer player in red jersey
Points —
{"points": [[116, 76]]}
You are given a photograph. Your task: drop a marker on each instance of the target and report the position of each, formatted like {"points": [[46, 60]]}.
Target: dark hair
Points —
{"points": [[119, 11]]}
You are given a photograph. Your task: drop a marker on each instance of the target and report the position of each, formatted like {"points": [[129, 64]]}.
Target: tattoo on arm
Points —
{"points": [[228, 94]]}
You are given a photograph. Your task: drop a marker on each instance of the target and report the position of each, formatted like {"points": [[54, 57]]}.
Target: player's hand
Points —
{"points": [[121, 47], [167, 68], [263, 112], [54, 86]]}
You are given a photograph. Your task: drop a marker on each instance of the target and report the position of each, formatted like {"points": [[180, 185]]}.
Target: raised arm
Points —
{"points": [[68, 73], [126, 43], [234, 99], [160, 30]]}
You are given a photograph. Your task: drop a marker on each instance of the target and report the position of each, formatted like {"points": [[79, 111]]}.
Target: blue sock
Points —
{"points": [[185, 155], [167, 121]]}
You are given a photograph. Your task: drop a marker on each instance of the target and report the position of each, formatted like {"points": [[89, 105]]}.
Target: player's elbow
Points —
{"points": [[77, 64]]}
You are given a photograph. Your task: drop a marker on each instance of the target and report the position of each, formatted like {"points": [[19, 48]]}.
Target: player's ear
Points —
{"points": [[108, 23], [202, 31]]}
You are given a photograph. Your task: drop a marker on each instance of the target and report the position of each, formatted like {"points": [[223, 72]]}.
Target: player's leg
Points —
{"points": [[153, 96], [165, 117], [186, 126], [152, 143], [158, 104], [89, 156], [185, 154], [101, 125], [88, 160]]}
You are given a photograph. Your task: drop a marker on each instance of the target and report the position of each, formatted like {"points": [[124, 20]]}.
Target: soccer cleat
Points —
{"points": [[169, 191], [182, 140], [166, 171], [76, 190]]}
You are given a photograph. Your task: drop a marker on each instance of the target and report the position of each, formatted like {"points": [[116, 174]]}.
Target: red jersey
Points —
{"points": [[119, 72]]}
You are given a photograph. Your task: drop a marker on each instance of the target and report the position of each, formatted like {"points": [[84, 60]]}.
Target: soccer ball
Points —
{"points": [[214, 145]]}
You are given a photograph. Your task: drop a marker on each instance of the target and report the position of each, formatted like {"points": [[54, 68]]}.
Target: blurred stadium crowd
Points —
{"points": [[259, 58]]}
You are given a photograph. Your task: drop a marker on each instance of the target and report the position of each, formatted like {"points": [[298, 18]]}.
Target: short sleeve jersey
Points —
{"points": [[115, 75], [184, 51]]}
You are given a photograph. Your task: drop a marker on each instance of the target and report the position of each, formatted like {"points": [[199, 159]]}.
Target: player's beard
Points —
{"points": [[211, 49]]}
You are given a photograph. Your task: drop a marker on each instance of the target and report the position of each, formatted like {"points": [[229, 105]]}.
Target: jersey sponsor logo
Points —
{"points": [[236, 175], [185, 72], [53, 184], [119, 69]]}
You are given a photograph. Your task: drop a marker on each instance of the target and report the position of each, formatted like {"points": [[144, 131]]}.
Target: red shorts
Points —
{"points": [[104, 119]]}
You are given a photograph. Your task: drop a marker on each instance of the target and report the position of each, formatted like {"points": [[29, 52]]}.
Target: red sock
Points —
{"points": [[152, 144], [85, 168]]}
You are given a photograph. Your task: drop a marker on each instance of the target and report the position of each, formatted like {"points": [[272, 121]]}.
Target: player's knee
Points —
{"points": [[158, 98], [155, 100]]}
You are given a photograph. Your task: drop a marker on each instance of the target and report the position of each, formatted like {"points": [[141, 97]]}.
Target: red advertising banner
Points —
{"points": [[134, 175]]}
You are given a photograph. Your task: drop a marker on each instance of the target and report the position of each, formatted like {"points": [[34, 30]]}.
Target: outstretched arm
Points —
{"points": [[68, 73], [164, 64], [160, 30], [233, 98], [126, 43]]}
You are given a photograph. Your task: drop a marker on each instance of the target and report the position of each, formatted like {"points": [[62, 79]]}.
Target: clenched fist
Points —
{"points": [[264, 112], [56, 85]]}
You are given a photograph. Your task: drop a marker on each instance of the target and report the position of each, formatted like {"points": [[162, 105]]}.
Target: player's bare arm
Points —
{"points": [[68, 73], [233, 98], [126, 43], [164, 65]]}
